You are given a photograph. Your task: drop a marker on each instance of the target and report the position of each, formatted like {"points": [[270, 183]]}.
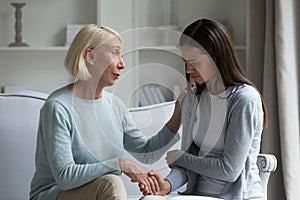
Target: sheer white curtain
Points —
{"points": [[272, 64]]}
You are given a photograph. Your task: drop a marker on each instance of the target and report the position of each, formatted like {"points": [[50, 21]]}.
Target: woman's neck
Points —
{"points": [[216, 85], [86, 90]]}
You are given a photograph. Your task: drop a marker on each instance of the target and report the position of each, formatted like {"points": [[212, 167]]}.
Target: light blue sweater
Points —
{"points": [[80, 140], [230, 161]]}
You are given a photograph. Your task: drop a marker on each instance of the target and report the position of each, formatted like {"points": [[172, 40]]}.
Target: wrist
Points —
{"points": [[122, 164], [168, 186]]}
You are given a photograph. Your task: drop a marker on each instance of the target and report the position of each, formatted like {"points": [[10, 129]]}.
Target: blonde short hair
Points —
{"points": [[90, 36]]}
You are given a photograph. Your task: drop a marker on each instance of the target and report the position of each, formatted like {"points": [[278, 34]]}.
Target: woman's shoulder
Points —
{"points": [[58, 93], [244, 92], [244, 95], [59, 97]]}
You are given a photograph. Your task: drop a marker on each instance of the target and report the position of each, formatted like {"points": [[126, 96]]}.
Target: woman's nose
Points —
{"points": [[189, 68], [121, 64]]}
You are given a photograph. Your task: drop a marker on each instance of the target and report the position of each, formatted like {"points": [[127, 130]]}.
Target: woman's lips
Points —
{"points": [[116, 75], [194, 77]]}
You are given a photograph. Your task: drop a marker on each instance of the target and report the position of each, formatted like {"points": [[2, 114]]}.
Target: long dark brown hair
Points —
{"points": [[217, 42]]}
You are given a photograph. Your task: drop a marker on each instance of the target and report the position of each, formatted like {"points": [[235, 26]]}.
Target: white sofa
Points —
{"points": [[19, 114], [18, 128]]}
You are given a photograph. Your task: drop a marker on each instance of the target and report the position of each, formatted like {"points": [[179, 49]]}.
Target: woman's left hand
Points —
{"points": [[171, 157]]}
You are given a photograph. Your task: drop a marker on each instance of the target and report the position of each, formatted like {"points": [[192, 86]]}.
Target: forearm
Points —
{"points": [[176, 178], [213, 167], [150, 150], [75, 175], [175, 120]]}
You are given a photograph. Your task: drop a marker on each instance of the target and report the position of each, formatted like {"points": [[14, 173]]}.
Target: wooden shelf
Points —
{"points": [[33, 49]]}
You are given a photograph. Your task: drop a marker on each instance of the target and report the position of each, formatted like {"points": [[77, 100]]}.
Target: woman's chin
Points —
{"points": [[200, 81]]}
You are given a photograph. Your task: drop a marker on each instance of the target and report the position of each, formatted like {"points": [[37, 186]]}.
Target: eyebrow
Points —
{"points": [[191, 60]]}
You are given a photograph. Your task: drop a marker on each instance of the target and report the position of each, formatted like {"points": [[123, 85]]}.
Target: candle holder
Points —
{"points": [[18, 26]]}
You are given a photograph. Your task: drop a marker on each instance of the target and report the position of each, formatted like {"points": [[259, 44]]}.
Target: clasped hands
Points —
{"points": [[150, 182]]}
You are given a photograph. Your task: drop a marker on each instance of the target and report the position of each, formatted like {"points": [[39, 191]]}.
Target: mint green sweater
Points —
{"points": [[80, 140]]}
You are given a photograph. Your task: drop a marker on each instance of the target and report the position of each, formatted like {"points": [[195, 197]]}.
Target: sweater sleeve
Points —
{"points": [[55, 125], [146, 149], [177, 178], [244, 123]]}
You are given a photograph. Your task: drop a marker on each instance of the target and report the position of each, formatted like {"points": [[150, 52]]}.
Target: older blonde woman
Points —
{"points": [[84, 130]]}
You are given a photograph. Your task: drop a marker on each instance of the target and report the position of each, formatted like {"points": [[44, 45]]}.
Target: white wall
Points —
{"points": [[35, 70], [230, 11], [41, 66], [44, 21]]}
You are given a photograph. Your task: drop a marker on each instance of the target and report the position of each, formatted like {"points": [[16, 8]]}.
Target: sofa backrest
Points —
{"points": [[19, 115]]}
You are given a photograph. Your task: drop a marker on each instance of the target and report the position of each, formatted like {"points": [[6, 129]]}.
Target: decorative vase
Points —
{"points": [[18, 26]]}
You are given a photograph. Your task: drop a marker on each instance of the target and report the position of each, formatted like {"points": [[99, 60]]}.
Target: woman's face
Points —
{"points": [[199, 65], [108, 62]]}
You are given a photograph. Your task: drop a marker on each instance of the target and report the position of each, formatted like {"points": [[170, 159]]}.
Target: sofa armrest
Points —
{"points": [[267, 163]]}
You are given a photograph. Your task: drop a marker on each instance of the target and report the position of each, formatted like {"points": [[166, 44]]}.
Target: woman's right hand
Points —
{"points": [[164, 185], [140, 174]]}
